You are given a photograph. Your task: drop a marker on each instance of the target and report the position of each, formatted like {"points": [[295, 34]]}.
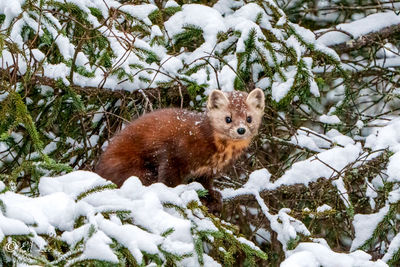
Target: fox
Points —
{"points": [[175, 145]]}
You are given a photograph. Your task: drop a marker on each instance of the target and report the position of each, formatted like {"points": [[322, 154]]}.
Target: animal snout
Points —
{"points": [[241, 131]]}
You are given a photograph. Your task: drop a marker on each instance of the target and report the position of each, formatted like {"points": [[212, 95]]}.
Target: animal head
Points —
{"points": [[236, 115]]}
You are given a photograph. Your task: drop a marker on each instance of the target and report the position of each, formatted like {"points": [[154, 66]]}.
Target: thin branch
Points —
{"points": [[366, 40]]}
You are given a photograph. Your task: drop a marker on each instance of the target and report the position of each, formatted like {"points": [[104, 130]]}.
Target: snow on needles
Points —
{"points": [[387, 137], [316, 255], [62, 201], [142, 61], [329, 162], [194, 14], [365, 224], [326, 164]]}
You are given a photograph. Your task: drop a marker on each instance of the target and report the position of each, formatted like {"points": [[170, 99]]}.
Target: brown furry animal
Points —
{"points": [[170, 145]]}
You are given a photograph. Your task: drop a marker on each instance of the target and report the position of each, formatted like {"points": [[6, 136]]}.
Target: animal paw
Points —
{"points": [[213, 201]]}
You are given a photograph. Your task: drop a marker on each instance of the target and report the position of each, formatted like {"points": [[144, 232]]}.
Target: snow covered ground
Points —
{"points": [[79, 217], [161, 224], [159, 228]]}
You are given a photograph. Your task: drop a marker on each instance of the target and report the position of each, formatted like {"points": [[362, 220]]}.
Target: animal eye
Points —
{"points": [[249, 120], [228, 119]]}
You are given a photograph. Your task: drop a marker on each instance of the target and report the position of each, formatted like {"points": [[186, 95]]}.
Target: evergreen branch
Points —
{"points": [[96, 189]]}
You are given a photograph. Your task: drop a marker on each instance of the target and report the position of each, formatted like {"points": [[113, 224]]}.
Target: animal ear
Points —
{"points": [[256, 99], [216, 100]]}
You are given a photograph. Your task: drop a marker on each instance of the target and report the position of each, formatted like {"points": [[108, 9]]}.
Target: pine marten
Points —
{"points": [[170, 145]]}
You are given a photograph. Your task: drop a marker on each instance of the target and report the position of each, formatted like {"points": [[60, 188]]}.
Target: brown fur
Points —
{"points": [[170, 145]]}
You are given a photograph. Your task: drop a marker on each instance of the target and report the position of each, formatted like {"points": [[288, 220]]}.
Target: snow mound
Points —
{"points": [[95, 219], [315, 255]]}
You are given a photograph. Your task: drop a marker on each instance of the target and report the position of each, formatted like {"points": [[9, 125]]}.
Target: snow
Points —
{"points": [[155, 31], [59, 71], [81, 59], [326, 164], [380, 63], [97, 247], [228, 75], [301, 259], [280, 90], [385, 137], [74, 236], [339, 184], [304, 33], [171, 64], [328, 154], [364, 225], [387, 51], [208, 261], [313, 254], [258, 179], [371, 194], [140, 12], [324, 208], [9, 226], [314, 141], [244, 20], [393, 168], [339, 138], [57, 209], [51, 147], [393, 248], [282, 223], [222, 17], [132, 237], [171, 3], [207, 18], [37, 54], [333, 119], [360, 27], [394, 196], [296, 45], [304, 141], [314, 90], [72, 184], [11, 9], [359, 124]]}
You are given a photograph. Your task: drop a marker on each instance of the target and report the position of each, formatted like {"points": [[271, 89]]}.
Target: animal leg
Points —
{"points": [[214, 199], [169, 174]]}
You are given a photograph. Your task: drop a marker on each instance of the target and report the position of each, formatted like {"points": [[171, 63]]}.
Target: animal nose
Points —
{"points": [[241, 131]]}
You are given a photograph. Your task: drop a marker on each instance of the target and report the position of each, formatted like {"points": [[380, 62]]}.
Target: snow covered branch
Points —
{"points": [[319, 184], [367, 31]]}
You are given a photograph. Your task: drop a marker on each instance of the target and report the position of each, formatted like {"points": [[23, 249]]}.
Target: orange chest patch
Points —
{"points": [[227, 151]]}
